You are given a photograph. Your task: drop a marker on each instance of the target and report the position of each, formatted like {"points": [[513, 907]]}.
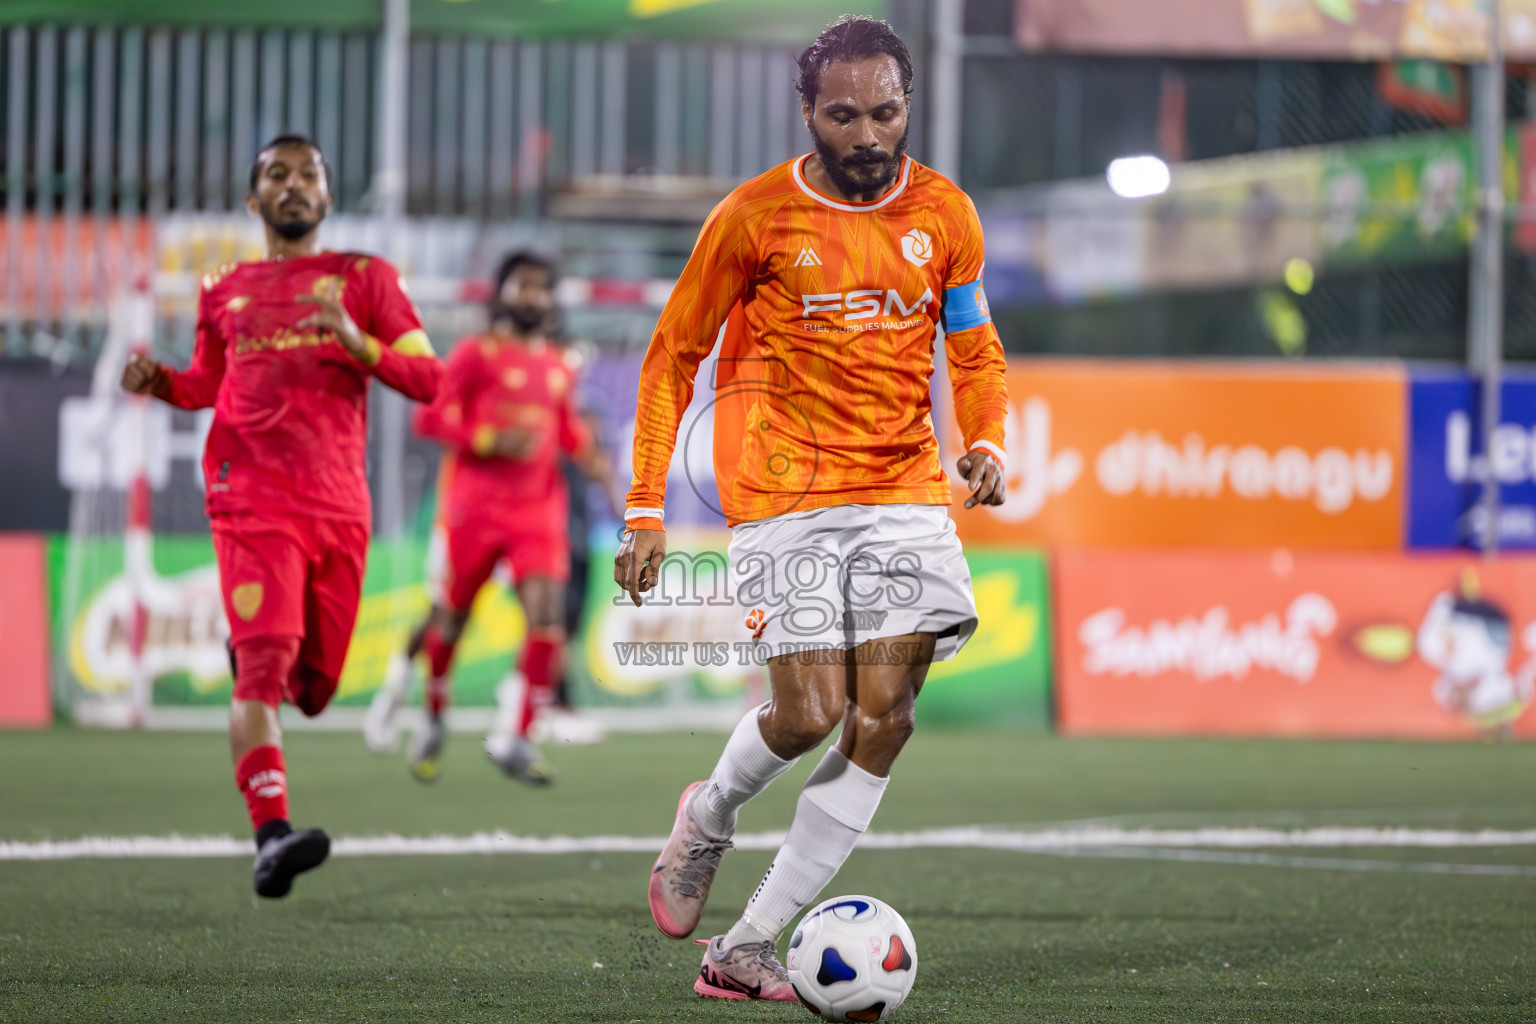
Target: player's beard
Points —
{"points": [[524, 319], [862, 172], [287, 226]]}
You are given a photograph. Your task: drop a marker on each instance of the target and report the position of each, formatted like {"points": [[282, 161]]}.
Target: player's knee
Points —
{"points": [[262, 667], [889, 726], [312, 690], [808, 725], [451, 626], [900, 722]]}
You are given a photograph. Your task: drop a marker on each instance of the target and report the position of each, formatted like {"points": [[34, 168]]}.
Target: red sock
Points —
{"points": [[264, 784], [439, 654], [437, 695], [540, 665]]}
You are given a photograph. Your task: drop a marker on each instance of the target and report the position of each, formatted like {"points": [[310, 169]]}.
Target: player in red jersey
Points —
{"points": [[285, 349], [505, 413]]}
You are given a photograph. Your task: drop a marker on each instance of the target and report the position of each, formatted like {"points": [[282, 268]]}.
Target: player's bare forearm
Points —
{"points": [[637, 566], [331, 315], [415, 376], [983, 476]]}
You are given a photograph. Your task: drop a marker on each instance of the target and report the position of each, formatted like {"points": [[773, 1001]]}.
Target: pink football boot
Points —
{"points": [[748, 971], [683, 873]]}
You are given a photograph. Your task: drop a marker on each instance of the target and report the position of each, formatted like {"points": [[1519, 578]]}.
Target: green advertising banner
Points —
{"points": [[184, 654], [1002, 677], [1404, 201], [790, 22], [1244, 219]]}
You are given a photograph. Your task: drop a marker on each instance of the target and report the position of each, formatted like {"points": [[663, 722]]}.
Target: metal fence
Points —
{"points": [[109, 134], [108, 131]]}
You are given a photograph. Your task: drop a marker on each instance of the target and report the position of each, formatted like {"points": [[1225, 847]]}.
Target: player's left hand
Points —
{"points": [[637, 566], [333, 316], [983, 476]]}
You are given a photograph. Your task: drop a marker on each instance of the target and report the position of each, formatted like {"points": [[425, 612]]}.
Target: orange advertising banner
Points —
{"points": [[1308, 644], [1147, 453]]}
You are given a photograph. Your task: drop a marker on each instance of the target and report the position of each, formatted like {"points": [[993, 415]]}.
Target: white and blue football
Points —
{"points": [[852, 959]]}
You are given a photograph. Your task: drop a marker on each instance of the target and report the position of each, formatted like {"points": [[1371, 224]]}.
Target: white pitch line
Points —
{"points": [[1065, 840], [1045, 840], [1271, 860]]}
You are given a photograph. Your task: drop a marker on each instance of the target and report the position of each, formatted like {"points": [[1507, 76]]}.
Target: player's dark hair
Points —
{"points": [[521, 258], [849, 38], [290, 139]]}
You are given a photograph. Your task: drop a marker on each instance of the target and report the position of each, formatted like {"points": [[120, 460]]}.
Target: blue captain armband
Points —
{"points": [[965, 306]]}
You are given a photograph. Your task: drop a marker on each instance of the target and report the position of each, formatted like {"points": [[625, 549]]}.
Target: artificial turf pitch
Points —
{"points": [[1001, 936]]}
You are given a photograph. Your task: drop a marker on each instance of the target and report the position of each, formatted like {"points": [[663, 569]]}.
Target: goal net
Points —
{"points": [[124, 617]]}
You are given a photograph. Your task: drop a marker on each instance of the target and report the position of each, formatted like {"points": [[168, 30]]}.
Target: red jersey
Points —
{"points": [[290, 404], [492, 383]]}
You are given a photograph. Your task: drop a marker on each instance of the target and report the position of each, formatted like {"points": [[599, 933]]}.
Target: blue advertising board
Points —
{"points": [[1448, 461]]}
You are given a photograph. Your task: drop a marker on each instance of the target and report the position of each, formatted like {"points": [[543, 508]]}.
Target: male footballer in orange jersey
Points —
{"points": [[506, 412], [285, 350], [840, 265]]}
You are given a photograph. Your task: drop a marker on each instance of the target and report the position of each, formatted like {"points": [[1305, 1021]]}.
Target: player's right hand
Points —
{"points": [[514, 443], [637, 566], [141, 374]]}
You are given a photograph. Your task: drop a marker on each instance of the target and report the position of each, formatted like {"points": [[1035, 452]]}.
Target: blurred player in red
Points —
{"points": [[506, 412], [286, 347]]}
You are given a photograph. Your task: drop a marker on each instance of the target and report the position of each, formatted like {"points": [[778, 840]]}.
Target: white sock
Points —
{"points": [[509, 705], [397, 674], [835, 808], [745, 769]]}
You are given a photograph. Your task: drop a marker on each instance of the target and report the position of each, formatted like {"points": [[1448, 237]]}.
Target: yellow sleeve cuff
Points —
{"points": [[413, 343], [372, 351], [483, 439]]}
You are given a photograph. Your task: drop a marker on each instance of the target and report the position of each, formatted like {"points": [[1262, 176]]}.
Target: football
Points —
{"points": [[852, 959]]}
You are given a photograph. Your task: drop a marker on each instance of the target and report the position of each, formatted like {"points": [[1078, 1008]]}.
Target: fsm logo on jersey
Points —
{"points": [[917, 247], [1450, 463]]}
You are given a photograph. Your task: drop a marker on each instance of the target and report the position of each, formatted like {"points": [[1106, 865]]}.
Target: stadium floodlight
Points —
{"points": [[1135, 177]]}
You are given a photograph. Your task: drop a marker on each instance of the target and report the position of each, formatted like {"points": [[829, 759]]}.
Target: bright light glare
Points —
{"points": [[1132, 177]]}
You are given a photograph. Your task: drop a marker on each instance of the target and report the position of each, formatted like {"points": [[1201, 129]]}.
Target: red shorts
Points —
{"points": [[466, 556], [294, 577]]}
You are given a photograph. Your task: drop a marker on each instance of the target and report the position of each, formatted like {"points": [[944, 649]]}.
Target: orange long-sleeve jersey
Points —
{"points": [[822, 393]]}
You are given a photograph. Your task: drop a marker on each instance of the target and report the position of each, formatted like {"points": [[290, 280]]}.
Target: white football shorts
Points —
{"points": [[838, 577]]}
